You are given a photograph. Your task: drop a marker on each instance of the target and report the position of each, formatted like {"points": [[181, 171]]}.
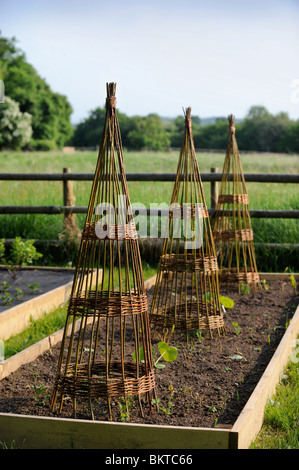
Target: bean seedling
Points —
{"points": [[168, 353]]}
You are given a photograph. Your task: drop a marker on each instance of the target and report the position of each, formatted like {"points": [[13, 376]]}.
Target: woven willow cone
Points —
{"points": [[232, 230], [186, 293], [107, 356]]}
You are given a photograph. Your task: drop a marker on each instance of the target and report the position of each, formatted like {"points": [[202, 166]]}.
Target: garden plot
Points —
{"points": [[200, 396], [33, 292]]}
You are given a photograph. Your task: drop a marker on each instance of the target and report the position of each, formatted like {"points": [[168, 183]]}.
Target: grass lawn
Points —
{"points": [[281, 422], [261, 195]]}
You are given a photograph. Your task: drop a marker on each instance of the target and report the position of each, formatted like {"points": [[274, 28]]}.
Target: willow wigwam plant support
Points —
{"points": [[186, 293], [107, 312], [232, 230]]}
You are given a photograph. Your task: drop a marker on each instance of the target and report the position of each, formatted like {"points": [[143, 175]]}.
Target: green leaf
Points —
{"points": [[293, 281], [141, 354], [159, 366], [236, 357], [169, 352], [226, 302]]}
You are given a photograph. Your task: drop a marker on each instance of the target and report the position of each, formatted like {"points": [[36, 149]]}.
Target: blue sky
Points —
{"points": [[217, 56]]}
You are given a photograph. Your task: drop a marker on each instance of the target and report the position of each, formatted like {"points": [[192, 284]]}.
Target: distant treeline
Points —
{"points": [[259, 131], [34, 117]]}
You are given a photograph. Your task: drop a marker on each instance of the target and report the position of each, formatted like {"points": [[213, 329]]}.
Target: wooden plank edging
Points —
{"points": [[250, 420], [40, 432], [17, 318]]}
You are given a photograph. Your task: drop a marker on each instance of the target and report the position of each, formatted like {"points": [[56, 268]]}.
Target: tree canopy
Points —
{"points": [[258, 131], [45, 115], [50, 111], [15, 126]]}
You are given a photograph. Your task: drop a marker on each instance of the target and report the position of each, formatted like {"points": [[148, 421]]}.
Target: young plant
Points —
{"points": [[34, 287], [293, 282], [124, 407], [157, 401], [5, 286], [244, 288], [22, 253], [236, 327], [168, 353], [264, 283], [19, 293], [40, 394], [226, 301], [7, 298]]}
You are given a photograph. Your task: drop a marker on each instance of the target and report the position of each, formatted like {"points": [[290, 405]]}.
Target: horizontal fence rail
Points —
{"points": [[49, 210], [67, 178], [68, 209], [210, 177]]}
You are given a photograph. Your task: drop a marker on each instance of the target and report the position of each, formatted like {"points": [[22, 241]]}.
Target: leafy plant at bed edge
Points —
{"points": [[22, 253]]}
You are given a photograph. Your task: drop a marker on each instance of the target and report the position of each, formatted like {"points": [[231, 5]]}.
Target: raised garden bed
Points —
{"points": [[51, 288], [213, 395]]}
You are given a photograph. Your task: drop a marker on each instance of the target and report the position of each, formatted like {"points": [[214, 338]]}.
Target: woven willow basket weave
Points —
{"points": [[107, 311], [186, 293], [232, 230]]}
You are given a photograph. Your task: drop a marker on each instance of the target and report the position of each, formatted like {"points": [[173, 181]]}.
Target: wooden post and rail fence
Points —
{"points": [[68, 210]]}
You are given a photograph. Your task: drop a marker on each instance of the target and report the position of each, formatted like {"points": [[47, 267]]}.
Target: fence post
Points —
{"points": [[68, 200], [214, 190]]}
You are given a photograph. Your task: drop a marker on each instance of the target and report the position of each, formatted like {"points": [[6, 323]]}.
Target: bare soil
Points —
{"points": [[207, 385], [45, 280]]}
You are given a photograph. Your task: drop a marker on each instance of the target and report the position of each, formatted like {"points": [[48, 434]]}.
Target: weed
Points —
{"points": [[269, 339], [170, 404], [244, 288], [124, 407], [265, 285], [212, 409], [40, 394], [237, 328]]}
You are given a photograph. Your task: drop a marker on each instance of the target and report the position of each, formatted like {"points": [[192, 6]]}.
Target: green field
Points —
{"points": [[261, 195]]}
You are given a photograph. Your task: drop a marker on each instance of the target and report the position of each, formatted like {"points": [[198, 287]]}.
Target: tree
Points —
{"points": [[177, 127], [212, 136], [50, 111], [148, 132], [88, 133], [289, 140], [15, 126], [261, 131]]}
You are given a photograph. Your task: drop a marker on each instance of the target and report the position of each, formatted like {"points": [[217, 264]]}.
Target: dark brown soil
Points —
{"points": [[45, 279], [208, 384]]}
